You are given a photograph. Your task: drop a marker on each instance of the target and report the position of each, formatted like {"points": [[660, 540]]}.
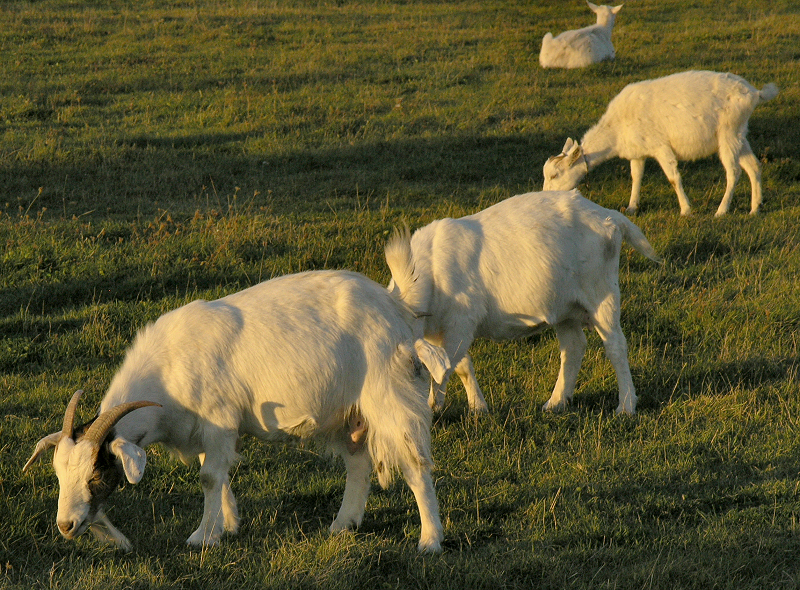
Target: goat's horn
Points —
{"points": [[69, 414], [105, 421]]}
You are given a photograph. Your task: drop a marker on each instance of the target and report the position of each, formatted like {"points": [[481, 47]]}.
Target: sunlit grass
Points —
{"points": [[155, 153]]}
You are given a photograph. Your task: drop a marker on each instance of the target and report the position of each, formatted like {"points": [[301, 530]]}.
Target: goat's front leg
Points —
{"points": [[466, 372], [219, 506], [669, 164], [356, 490], [637, 172], [456, 343], [106, 532]]}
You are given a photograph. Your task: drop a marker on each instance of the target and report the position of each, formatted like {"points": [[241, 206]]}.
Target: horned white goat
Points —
{"points": [[325, 354], [527, 263], [582, 47], [685, 116]]}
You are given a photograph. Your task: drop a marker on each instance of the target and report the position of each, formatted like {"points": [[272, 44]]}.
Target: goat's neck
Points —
{"points": [[606, 24], [599, 145], [140, 427]]}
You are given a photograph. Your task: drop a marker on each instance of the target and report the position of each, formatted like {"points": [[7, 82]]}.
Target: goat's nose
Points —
{"points": [[67, 527]]}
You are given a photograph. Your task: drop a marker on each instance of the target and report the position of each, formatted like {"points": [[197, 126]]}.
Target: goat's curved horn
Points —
{"points": [[105, 421], [69, 415]]}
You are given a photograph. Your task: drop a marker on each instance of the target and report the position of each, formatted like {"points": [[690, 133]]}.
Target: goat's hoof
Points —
{"points": [[632, 211], [436, 406], [622, 410], [198, 540], [430, 546], [479, 408], [551, 406], [124, 545], [343, 524], [232, 526]]}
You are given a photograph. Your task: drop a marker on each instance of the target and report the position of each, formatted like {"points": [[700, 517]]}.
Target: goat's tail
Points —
{"points": [[634, 236], [397, 413], [405, 285], [769, 92]]}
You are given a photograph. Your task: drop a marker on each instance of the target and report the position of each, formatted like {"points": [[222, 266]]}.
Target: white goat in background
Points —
{"points": [[582, 47], [533, 261], [684, 116], [327, 354]]}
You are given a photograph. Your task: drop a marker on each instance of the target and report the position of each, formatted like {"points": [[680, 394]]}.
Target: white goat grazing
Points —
{"points": [[325, 354], [582, 47], [684, 116], [529, 262]]}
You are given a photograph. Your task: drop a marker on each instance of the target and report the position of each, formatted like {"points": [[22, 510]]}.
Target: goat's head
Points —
{"points": [[90, 464], [605, 14], [564, 171]]}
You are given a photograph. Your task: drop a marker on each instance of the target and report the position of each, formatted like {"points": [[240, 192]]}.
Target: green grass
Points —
{"points": [[155, 152]]}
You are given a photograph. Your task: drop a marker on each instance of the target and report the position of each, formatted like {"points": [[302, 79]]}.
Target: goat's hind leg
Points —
{"points": [[356, 490], [749, 164], [572, 342], [607, 324], [418, 477], [729, 156]]}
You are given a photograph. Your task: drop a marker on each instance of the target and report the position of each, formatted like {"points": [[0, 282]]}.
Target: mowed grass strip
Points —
{"points": [[159, 152]]}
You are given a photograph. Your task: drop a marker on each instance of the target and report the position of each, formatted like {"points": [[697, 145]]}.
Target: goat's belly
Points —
{"points": [[510, 327], [280, 422], [693, 145], [267, 434]]}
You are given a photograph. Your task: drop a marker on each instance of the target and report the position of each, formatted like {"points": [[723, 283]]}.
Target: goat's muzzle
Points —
{"points": [[68, 529]]}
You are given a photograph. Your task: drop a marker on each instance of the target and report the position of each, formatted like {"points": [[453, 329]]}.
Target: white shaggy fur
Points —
{"points": [[296, 356], [582, 47], [684, 116], [533, 261]]}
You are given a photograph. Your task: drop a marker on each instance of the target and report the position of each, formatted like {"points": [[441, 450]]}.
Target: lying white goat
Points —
{"points": [[582, 47], [527, 263], [324, 354], [684, 116]]}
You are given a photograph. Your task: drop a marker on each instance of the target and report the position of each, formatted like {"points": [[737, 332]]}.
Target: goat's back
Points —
{"points": [[522, 263], [686, 111], [576, 49], [291, 355]]}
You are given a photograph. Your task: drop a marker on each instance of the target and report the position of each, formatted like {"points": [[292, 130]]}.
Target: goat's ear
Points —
{"points": [[434, 358], [132, 457], [46, 443], [616, 9], [594, 7], [568, 145], [574, 154]]}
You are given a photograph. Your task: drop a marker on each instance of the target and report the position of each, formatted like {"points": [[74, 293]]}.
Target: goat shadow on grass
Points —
{"points": [[712, 485], [125, 285], [184, 173], [723, 378]]}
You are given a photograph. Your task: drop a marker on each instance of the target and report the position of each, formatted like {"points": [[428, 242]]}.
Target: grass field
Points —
{"points": [[159, 151]]}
